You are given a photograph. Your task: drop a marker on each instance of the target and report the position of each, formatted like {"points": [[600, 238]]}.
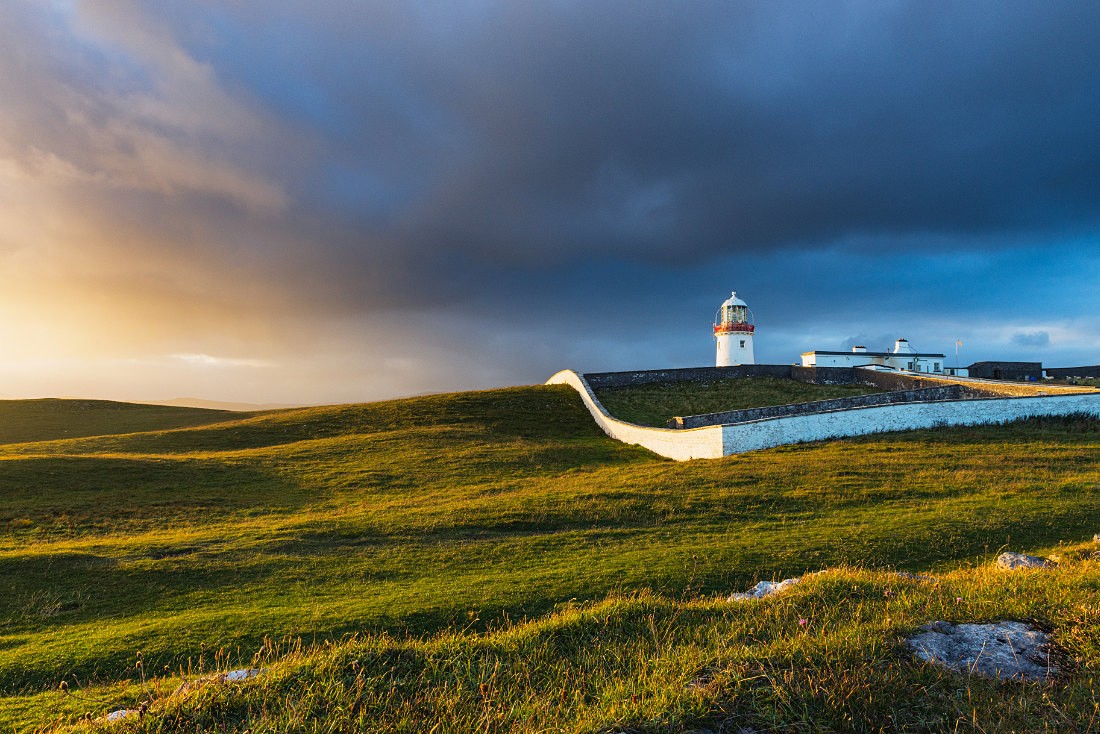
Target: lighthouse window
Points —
{"points": [[742, 343]]}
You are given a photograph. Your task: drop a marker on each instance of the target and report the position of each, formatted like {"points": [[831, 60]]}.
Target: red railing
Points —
{"points": [[728, 328]]}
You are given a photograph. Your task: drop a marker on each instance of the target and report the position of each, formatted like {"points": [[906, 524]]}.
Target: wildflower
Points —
{"points": [[803, 622]]}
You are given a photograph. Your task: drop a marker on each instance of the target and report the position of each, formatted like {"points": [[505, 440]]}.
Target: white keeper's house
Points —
{"points": [[904, 357]]}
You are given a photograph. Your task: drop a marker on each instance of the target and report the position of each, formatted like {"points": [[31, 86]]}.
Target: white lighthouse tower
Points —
{"points": [[734, 331]]}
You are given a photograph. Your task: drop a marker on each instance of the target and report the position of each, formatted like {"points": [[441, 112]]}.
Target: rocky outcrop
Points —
{"points": [[762, 589], [1006, 650], [1014, 561]]}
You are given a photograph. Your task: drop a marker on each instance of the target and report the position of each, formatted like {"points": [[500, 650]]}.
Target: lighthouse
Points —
{"points": [[734, 331]]}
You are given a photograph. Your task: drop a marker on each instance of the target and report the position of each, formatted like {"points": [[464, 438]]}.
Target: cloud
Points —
{"points": [[560, 182], [1031, 339], [208, 360]]}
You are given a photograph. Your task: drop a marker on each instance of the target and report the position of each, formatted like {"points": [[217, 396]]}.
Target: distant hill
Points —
{"points": [[48, 419], [221, 405]]}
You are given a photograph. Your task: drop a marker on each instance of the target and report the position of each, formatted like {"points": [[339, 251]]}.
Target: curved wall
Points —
{"points": [[679, 444], [716, 441]]}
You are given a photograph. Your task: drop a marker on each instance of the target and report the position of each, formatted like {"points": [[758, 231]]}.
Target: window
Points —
{"points": [[742, 343]]}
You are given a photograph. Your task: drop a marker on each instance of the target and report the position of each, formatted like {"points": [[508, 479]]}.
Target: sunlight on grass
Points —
{"points": [[463, 511]]}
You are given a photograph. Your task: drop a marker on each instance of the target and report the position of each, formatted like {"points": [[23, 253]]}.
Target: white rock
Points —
{"points": [[121, 714], [1009, 650], [764, 588], [236, 676], [1012, 561]]}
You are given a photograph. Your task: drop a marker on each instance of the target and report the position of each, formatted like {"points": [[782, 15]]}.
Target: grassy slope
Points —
{"points": [[461, 509], [653, 405], [828, 655]]}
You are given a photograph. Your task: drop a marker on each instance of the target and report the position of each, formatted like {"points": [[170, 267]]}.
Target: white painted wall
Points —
{"points": [[773, 432], [934, 364], [730, 351], [691, 443], [715, 441]]}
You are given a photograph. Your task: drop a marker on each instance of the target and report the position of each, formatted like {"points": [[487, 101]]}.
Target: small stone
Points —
{"points": [[121, 714], [915, 576], [236, 676], [1006, 650], [1013, 561], [1096, 538], [764, 588]]}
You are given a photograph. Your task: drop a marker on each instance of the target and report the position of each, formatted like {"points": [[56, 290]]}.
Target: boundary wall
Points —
{"points": [[1089, 371], [943, 392], [817, 375], [693, 443], [713, 441]]}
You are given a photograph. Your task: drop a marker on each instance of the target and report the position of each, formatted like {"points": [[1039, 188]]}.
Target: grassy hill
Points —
{"points": [[411, 523]]}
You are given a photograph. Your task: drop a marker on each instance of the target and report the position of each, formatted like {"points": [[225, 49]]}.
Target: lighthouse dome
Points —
{"points": [[733, 300], [732, 311]]}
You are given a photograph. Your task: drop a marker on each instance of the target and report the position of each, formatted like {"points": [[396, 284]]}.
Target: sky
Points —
{"points": [[267, 201]]}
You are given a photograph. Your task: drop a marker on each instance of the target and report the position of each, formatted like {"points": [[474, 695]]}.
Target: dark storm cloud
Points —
{"points": [[1031, 339], [542, 132]]}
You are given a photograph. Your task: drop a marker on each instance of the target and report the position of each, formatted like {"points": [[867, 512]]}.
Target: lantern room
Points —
{"points": [[733, 315]]}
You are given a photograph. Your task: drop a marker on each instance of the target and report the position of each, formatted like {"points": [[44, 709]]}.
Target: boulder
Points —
{"points": [[764, 588], [1006, 650], [1013, 561], [236, 676]]}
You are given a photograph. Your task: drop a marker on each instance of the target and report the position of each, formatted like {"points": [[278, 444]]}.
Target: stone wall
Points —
{"points": [[815, 375], [943, 392], [598, 380], [975, 387], [764, 434], [825, 375], [1007, 370], [1087, 371]]}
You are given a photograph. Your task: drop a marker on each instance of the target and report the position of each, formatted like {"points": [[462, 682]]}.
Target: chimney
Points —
{"points": [[901, 346]]}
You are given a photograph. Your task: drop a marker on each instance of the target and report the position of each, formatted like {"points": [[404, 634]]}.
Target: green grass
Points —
{"points": [[828, 655], [655, 404], [430, 516]]}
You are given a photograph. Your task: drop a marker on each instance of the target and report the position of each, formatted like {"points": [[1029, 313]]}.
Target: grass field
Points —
{"points": [[653, 405], [431, 528]]}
